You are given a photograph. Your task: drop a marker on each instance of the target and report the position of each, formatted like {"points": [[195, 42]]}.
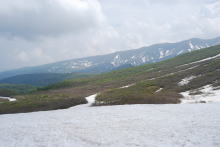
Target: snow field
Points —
{"points": [[186, 125]]}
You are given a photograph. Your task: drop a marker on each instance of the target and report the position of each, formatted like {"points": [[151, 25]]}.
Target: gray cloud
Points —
{"points": [[30, 18], [34, 32]]}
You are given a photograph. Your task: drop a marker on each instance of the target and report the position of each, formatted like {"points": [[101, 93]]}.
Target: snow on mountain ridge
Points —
{"points": [[109, 62], [191, 45]]}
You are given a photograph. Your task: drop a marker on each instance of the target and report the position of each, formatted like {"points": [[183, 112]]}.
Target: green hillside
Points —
{"points": [[13, 89], [166, 76], [146, 79], [41, 79]]}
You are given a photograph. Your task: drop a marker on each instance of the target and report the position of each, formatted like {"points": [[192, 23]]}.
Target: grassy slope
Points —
{"points": [[131, 75], [13, 89], [39, 103], [41, 79], [166, 75]]}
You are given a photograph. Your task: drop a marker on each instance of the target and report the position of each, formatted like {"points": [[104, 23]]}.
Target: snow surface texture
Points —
{"points": [[205, 94], [189, 125], [8, 98]]}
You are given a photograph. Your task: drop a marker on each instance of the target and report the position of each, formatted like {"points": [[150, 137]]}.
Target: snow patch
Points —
{"points": [[87, 64], [204, 94], [91, 99], [198, 47], [143, 59], [161, 54], [117, 57], [165, 53], [191, 45], [180, 52], [127, 86], [80, 64], [160, 89], [8, 98], [186, 80], [118, 61], [189, 50]]}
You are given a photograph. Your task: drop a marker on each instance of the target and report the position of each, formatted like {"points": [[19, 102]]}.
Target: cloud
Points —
{"points": [[151, 21], [33, 18], [23, 56], [34, 32]]}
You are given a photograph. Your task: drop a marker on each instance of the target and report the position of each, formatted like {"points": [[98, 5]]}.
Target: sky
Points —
{"points": [[35, 32]]}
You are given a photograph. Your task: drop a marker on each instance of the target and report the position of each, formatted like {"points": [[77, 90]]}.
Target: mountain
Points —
{"points": [[156, 83], [188, 76], [118, 60]]}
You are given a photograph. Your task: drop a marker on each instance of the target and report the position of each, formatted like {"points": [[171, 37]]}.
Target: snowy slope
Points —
{"points": [[206, 94], [186, 125]]}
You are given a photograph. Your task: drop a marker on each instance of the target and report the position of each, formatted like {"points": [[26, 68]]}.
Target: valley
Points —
{"points": [[156, 83]]}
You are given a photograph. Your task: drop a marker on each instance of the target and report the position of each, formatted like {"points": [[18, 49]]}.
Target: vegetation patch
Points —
{"points": [[31, 103], [3, 100], [13, 89], [141, 93]]}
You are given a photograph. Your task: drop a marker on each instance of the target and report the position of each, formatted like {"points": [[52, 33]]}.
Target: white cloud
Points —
{"points": [[152, 21], [23, 56], [42, 31]]}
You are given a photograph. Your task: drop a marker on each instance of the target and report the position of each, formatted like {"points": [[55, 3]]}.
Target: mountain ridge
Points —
{"points": [[117, 60]]}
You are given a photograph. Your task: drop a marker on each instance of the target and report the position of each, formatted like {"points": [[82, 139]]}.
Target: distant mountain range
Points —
{"points": [[118, 60]]}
